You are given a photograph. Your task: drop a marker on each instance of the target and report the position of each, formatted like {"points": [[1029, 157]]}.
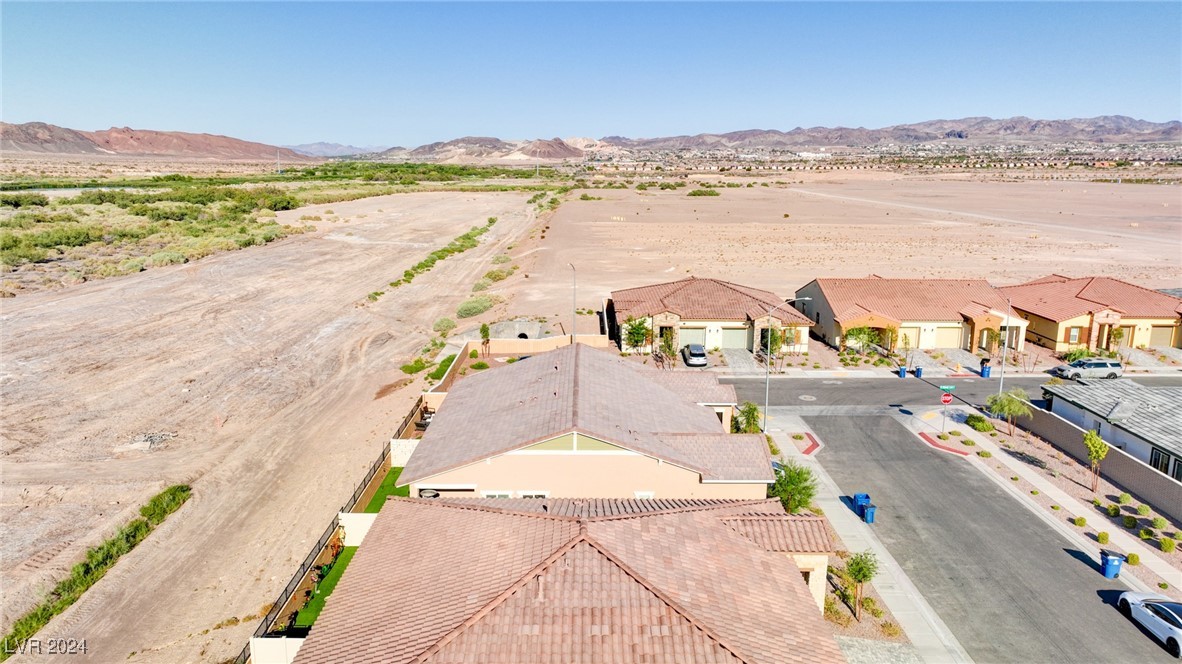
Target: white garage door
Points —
{"points": [[734, 338], [1161, 336], [947, 337], [693, 335]]}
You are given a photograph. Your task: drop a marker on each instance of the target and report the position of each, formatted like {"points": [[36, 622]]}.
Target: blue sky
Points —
{"points": [[406, 74]]}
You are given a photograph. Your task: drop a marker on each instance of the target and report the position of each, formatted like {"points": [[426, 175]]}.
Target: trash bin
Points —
{"points": [[861, 500], [1111, 563], [870, 510], [902, 372], [919, 372], [986, 371]]}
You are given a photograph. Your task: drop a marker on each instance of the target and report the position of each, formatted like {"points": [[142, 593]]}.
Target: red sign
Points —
{"points": [[946, 399]]}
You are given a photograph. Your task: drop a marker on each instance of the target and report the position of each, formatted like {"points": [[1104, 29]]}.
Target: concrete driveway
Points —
{"points": [[1008, 587]]}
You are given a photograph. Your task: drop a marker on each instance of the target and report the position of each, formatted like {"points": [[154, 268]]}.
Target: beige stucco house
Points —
{"points": [[584, 423], [1066, 313], [710, 312], [920, 313]]}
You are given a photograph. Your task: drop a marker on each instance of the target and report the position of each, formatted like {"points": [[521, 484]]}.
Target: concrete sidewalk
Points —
{"points": [[926, 630]]}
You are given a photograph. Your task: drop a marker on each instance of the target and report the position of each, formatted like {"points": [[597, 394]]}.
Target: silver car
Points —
{"points": [[1158, 614], [1090, 368], [694, 355]]}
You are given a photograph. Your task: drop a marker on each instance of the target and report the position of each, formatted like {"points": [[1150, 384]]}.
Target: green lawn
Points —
{"points": [[387, 489], [307, 615]]}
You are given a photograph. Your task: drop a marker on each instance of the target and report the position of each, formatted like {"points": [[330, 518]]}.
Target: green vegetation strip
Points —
{"points": [[311, 611], [385, 490], [98, 561], [458, 245]]}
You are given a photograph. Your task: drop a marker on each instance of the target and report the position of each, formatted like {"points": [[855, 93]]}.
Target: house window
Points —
{"points": [[1159, 460], [1177, 470], [1073, 335], [496, 494], [643, 495], [534, 494], [805, 574]]}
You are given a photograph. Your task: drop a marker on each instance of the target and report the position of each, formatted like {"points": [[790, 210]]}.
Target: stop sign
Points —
{"points": [[946, 399]]}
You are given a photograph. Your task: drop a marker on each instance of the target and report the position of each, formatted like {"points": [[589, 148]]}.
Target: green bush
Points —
{"points": [[473, 354], [942, 436], [1130, 522], [1133, 559], [481, 285], [437, 373], [978, 423], [1168, 545], [1080, 521], [1159, 523], [984, 454], [497, 275], [480, 366], [1034, 492], [798, 436], [444, 325], [414, 367], [703, 192], [474, 306], [1143, 510], [955, 432], [501, 259], [1056, 507], [1114, 510], [1124, 499], [23, 200], [166, 258], [1146, 534], [1102, 537], [164, 503], [966, 442]]}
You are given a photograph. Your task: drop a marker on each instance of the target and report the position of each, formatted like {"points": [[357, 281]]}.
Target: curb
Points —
{"points": [[940, 446]]}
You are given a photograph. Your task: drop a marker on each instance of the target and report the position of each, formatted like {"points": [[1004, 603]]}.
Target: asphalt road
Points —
{"points": [[1010, 588]]}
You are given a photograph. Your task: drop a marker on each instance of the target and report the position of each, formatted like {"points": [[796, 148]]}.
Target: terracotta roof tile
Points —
{"points": [[702, 299], [793, 533], [1059, 298], [593, 508], [909, 299]]}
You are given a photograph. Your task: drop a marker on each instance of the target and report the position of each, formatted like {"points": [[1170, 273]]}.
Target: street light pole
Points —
{"points": [[767, 359], [1005, 342], [575, 293]]}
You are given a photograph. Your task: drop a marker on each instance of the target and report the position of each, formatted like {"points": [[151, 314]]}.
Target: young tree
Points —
{"points": [[667, 347], [1009, 405], [861, 568], [795, 486], [748, 418], [485, 334], [889, 337], [636, 332], [1097, 450], [993, 342], [860, 337], [1115, 335]]}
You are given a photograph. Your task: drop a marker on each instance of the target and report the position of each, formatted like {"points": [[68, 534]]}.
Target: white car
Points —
{"points": [[1159, 614]]}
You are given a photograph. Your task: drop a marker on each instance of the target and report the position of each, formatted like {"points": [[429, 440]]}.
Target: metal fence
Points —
{"points": [[310, 559]]}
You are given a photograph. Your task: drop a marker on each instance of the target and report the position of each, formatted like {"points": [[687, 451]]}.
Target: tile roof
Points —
{"points": [[445, 581], [693, 386], [1151, 413], [909, 299], [724, 456], [578, 388], [1058, 298], [702, 299], [593, 508], [788, 533]]}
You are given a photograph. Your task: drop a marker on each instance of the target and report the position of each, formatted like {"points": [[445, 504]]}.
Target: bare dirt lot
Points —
{"points": [[265, 364], [781, 237]]}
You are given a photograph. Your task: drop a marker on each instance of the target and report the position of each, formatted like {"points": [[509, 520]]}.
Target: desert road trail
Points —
{"points": [[257, 372]]}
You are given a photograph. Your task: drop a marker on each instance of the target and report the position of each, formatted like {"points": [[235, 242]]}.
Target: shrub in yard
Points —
{"points": [[1124, 499], [890, 630], [1034, 492], [480, 366], [1056, 507], [835, 614], [984, 454], [1130, 521], [1168, 545], [871, 607], [1146, 534], [1114, 510], [444, 325], [1080, 521], [474, 306], [942, 436], [1143, 510], [1015, 478], [1102, 537], [798, 436], [1163, 585], [414, 367], [437, 373], [1097, 502], [474, 354], [967, 443], [993, 434], [1133, 559], [955, 432], [978, 423], [1159, 523]]}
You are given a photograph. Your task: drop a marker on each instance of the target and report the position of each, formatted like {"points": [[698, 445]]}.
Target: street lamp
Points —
{"points": [[574, 294], [1005, 341], [767, 360]]}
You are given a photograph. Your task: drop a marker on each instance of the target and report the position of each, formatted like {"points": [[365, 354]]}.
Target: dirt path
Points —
{"points": [[265, 364]]}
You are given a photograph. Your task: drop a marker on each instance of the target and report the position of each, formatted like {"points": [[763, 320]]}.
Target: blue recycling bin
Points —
{"points": [[902, 372], [919, 372], [861, 500], [1111, 563], [869, 513], [986, 371]]}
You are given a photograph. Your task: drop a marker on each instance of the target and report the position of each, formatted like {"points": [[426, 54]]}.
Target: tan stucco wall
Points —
{"points": [[1049, 333], [817, 564], [1142, 328], [819, 310], [588, 475]]}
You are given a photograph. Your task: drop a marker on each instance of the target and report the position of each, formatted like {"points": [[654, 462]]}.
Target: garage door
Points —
{"points": [[947, 337], [1161, 336], [693, 335], [912, 337], [734, 338]]}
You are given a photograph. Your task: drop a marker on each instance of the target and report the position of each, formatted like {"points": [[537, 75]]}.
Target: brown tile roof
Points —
{"points": [[724, 456], [702, 299], [1059, 298], [693, 386], [788, 533], [442, 581], [576, 388], [591, 508], [909, 299]]}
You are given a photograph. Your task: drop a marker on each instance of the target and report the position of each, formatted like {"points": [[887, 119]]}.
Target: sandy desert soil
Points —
{"points": [[863, 224], [265, 363]]}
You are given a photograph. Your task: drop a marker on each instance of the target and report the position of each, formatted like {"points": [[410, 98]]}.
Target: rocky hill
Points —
{"points": [[41, 138], [323, 149]]}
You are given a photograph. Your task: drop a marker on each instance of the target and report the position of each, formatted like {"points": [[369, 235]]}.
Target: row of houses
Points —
{"points": [[1057, 312]]}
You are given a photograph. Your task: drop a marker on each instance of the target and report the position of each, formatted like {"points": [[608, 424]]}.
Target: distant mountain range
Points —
{"points": [[41, 138]]}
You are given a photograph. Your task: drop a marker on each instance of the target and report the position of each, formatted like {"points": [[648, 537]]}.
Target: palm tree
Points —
{"points": [[1009, 405]]}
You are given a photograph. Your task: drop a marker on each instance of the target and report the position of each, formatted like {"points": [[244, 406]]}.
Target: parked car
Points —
{"points": [[694, 355], [1090, 368], [1159, 614]]}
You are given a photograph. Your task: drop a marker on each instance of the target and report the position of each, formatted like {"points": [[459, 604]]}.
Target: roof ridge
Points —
{"points": [[504, 595], [679, 510], [669, 601], [482, 508], [574, 377], [1129, 283]]}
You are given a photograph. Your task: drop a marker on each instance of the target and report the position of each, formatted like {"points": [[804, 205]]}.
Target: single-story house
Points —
{"points": [[554, 582], [711, 312], [1145, 422], [919, 313], [577, 422], [1066, 313]]}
